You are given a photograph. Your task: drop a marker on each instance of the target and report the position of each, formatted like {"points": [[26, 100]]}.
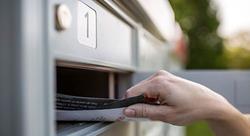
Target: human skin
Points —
{"points": [[182, 102]]}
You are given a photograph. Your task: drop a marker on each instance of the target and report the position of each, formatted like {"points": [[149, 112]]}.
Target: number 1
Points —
{"points": [[87, 19]]}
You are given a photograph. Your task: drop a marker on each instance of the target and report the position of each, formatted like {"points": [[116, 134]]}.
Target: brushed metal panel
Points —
{"points": [[114, 39]]}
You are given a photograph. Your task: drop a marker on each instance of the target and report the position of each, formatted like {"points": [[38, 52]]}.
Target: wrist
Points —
{"points": [[229, 121], [224, 112], [217, 107]]}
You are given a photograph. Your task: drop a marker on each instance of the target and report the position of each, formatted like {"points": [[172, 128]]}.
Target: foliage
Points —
{"points": [[237, 57], [198, 21], [237, 50], [198, 129]]}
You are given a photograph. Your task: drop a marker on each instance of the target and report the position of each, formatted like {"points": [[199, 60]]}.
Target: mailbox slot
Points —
{"points": [[89, 82], [83, 82]]}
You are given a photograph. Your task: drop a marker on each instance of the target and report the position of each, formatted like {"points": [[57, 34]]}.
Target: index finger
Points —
{"points": [[150, 89]]}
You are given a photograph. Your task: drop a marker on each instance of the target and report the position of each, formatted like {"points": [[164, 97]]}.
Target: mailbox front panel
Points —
{"points": [[94, 35]]}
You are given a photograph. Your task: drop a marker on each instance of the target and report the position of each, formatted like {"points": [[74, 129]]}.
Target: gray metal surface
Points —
{"points": [[114, 38], [116, 41], [152, 53], [139, 14], [242, 87], [123, 83], [6, 67], [26, 83]]}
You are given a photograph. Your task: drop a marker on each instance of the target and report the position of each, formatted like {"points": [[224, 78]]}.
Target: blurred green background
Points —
{"points": [[206, 49]]}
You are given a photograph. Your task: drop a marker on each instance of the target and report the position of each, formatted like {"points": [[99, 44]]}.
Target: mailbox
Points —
{"points": [[89, 48], [84, 48]]}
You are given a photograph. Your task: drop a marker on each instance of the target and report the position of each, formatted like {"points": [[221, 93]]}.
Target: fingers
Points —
{"points": [[157, 88], [159, 73], [151, 86], [154, 112], [142, 88]]}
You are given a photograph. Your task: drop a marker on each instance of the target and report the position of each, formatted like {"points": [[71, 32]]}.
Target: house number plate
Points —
{"points": [[86, 25]]}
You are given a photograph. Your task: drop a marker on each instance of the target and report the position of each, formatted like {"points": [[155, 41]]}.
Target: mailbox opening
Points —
{"points": [[89, 82], [83, 82]]}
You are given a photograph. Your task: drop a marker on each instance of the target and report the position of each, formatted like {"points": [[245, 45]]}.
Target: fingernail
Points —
{"points": [[129, 112]]}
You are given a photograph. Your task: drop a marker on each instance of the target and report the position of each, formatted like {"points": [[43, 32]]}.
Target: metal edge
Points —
{"points": [[118, 12], [94, 65], [91, 129], [141, 12]]}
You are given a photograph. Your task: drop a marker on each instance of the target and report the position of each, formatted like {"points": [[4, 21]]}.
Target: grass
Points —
{"points": [[198, 129]]}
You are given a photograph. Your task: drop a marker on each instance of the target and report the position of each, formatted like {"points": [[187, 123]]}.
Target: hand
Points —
{"points": [[181, 101]]}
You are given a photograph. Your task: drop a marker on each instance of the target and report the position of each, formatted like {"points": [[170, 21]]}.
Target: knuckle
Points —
{"points": [[160, 83], [158, 79], [161, 72], [138, 112], [163, 79], [144, 110]]}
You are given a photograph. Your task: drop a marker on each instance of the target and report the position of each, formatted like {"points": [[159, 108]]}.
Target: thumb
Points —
{"points": [[155, 112]]}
